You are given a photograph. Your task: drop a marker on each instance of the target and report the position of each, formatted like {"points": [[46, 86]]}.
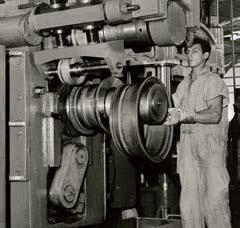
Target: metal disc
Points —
{"points": [[73, 112], [130, 135], [63, 70], [153, 103]]}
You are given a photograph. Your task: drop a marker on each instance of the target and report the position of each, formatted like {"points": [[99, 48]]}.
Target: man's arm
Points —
{"points": [[178, 95], [211, 115]]}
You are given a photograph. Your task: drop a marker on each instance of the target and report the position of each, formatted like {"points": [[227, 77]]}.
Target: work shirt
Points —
{"points": [[208, 141]]}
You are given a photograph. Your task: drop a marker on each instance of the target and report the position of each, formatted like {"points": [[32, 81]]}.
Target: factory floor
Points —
{"points": [[234, 198]]}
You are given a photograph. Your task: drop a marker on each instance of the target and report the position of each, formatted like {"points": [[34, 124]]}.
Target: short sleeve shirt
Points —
{"points": [[208, 138]]}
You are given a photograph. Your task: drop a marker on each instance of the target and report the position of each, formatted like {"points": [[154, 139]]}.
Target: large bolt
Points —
{"points": [[156, 102], [69, 193], [130, 8], [80, 157]]}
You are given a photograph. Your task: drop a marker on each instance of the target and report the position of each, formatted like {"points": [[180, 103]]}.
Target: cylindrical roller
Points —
{"points": [[77, 70], [134, 34], [91, 31], [130, 135], [61, 104], [87, 105], [85, 109], [58, 4], [104, 95], [74, 114], [115, 10], [73, 120], [16, 32], [170, 31], [64, 73]]}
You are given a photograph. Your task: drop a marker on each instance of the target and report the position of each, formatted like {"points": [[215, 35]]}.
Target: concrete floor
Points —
{"points": [[234, 197]]}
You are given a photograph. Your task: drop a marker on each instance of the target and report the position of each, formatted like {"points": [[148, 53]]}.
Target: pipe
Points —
{"points": [[208, 32], [233, 53], [16, 32], [226, 23], [214, 13], [76, 69], [134, 34], [3, 158], [73, 16]]}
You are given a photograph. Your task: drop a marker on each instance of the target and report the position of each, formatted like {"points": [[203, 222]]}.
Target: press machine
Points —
{"points": [[85, 89]]}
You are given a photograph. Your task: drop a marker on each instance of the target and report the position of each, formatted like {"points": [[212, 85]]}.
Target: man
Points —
{"points": [[201, 101], [234, 142]]}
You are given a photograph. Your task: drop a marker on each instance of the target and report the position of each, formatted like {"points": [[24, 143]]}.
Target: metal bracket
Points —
{"points": [[18, 119], [51, 133], [69, 177], [113, 52]]}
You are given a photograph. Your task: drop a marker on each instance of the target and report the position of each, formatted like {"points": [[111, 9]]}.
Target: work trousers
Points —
{"points": [[204, 194]]}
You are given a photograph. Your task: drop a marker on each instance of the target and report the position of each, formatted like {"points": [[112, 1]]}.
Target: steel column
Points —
{"points": [[3, 137]]}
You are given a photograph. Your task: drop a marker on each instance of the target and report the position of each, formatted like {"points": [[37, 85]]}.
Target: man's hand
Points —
{"points": [[173, 116], [176, 115], [187, 116]]}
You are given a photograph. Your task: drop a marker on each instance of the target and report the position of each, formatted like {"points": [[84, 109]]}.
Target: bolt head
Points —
{"points": [[69, 193], [80, 158]]}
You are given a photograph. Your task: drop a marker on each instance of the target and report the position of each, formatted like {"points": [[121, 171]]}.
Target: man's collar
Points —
{"points": [[203, 71]]}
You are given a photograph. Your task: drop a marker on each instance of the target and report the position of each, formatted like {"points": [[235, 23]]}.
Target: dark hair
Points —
{"points": [[205, 44]]}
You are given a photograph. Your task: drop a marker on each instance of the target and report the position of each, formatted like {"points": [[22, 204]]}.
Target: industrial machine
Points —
{"points": [[85, 89]]}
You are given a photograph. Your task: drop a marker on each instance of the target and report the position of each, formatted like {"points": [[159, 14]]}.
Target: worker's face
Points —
{"points": [[195, 55]]}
